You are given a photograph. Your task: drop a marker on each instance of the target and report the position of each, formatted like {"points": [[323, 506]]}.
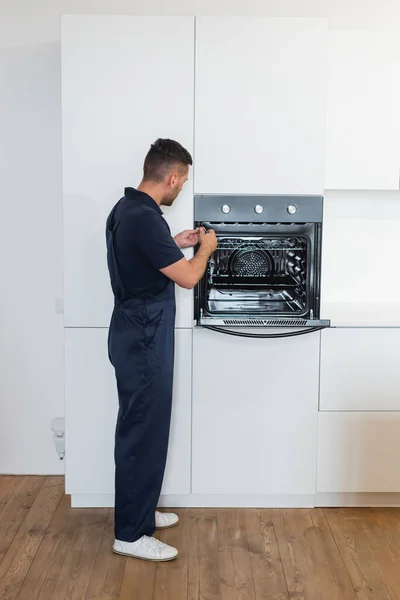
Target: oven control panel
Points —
{"points": [[258, 209]]}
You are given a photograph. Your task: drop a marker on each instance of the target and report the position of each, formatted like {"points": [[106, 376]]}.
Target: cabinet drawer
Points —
{"points": [[358, 452]]}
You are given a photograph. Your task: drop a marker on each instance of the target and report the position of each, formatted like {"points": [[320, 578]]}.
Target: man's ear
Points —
{"points": [[173, 179]]}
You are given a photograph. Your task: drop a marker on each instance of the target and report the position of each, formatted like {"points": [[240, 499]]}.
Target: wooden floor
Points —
{"points": [[48, 550]]}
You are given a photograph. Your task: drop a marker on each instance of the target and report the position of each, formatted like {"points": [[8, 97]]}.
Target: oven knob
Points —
{"points": [[226, 209], [292, 209], [259, 209]]}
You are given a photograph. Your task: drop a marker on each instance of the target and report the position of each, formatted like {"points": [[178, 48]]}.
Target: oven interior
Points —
{"points": [[258, 275]]}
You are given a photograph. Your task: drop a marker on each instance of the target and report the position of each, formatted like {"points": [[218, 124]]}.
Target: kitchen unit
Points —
{"points": [[255, 409], [359, 419], [363, 119], [359, 370], [91, 409], [256, 422], [358, 459], [360, 242], [260, 105], [100, 154], [109, 121]]}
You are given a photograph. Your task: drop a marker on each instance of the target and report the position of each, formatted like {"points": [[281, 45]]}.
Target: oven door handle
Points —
{"points": [[263, 335]]}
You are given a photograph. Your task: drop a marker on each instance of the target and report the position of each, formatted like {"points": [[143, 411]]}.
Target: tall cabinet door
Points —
{"points": [[255, 407], [91, 410], [126, 81], [260, 105], [363, 119]]}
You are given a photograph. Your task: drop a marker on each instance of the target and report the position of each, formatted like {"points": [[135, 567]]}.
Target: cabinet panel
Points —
{"points": [[260, 105], [91, 409], [358, 452], [255, 405], [356, 258], [112, 110], [363, 120], [360, 369]]}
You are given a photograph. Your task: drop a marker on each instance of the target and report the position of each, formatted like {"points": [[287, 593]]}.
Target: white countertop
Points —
{"points": [[356, 314]]}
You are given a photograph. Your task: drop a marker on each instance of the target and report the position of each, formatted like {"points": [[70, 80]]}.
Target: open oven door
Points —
{"points": [[322, 324]]}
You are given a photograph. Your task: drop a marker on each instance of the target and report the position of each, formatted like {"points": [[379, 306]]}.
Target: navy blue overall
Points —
{"points": [[141, 349]]}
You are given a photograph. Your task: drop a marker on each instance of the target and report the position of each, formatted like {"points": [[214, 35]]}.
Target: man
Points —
{"points": [[144, 263]]}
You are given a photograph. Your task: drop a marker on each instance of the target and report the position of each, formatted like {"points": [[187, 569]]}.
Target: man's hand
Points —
{"points": [[208, 240], [187, 238]]}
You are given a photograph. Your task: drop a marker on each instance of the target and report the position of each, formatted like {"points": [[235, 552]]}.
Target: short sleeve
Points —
{"points": [[154, 239]]}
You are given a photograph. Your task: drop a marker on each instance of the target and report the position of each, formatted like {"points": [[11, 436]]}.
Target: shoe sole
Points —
{"points": [[168, 526], [143, 558]]}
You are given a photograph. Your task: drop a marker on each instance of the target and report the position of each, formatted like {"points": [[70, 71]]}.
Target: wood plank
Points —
{"points": [[290, 528], [387, 562], [266, 565], [207, 553], [16, 510], [357, 554], [171, 581], [26, 542], [234, 560], [331, 555], [307, 561], [381, 530], [42, 576], [109, 568], [75, 573], [8, 484], [139, 579], [191, 532], [203, 559]]}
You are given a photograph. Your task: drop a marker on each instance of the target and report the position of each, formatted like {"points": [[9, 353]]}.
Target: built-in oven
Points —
{"points": [[266, 271]]}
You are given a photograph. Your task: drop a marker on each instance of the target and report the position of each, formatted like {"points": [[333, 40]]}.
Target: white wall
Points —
{"points": [[31, 333]]}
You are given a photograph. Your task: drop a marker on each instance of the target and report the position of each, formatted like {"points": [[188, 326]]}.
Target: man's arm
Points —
{"points": [[187, 273]]}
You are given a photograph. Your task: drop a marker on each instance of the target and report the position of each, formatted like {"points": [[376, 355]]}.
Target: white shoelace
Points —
{"points": [[153, 542]]}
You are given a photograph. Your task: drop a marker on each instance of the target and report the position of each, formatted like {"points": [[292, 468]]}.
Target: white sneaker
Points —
{"points": [[147, 548], [165, 520]]}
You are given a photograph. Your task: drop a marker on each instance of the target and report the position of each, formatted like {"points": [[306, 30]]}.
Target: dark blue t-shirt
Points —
{"points": [[143, 244]]}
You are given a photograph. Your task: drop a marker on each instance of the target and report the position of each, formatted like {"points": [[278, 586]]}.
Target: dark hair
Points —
{"points": [[163, 155]]}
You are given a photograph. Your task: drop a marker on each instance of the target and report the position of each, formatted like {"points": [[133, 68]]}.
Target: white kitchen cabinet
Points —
{"points": [[358, 452], [357, 255], [360, 237], [91, 407], [126, 81], [363, 119], [360, 369], [255, 406], [260, 105]]}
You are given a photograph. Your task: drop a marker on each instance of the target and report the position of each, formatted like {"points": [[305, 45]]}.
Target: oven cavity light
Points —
{"points": [[226, 209], [292, 209], [259, 209]]}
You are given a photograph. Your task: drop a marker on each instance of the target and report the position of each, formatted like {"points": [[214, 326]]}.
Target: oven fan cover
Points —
{"points": [[250, 261]]}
